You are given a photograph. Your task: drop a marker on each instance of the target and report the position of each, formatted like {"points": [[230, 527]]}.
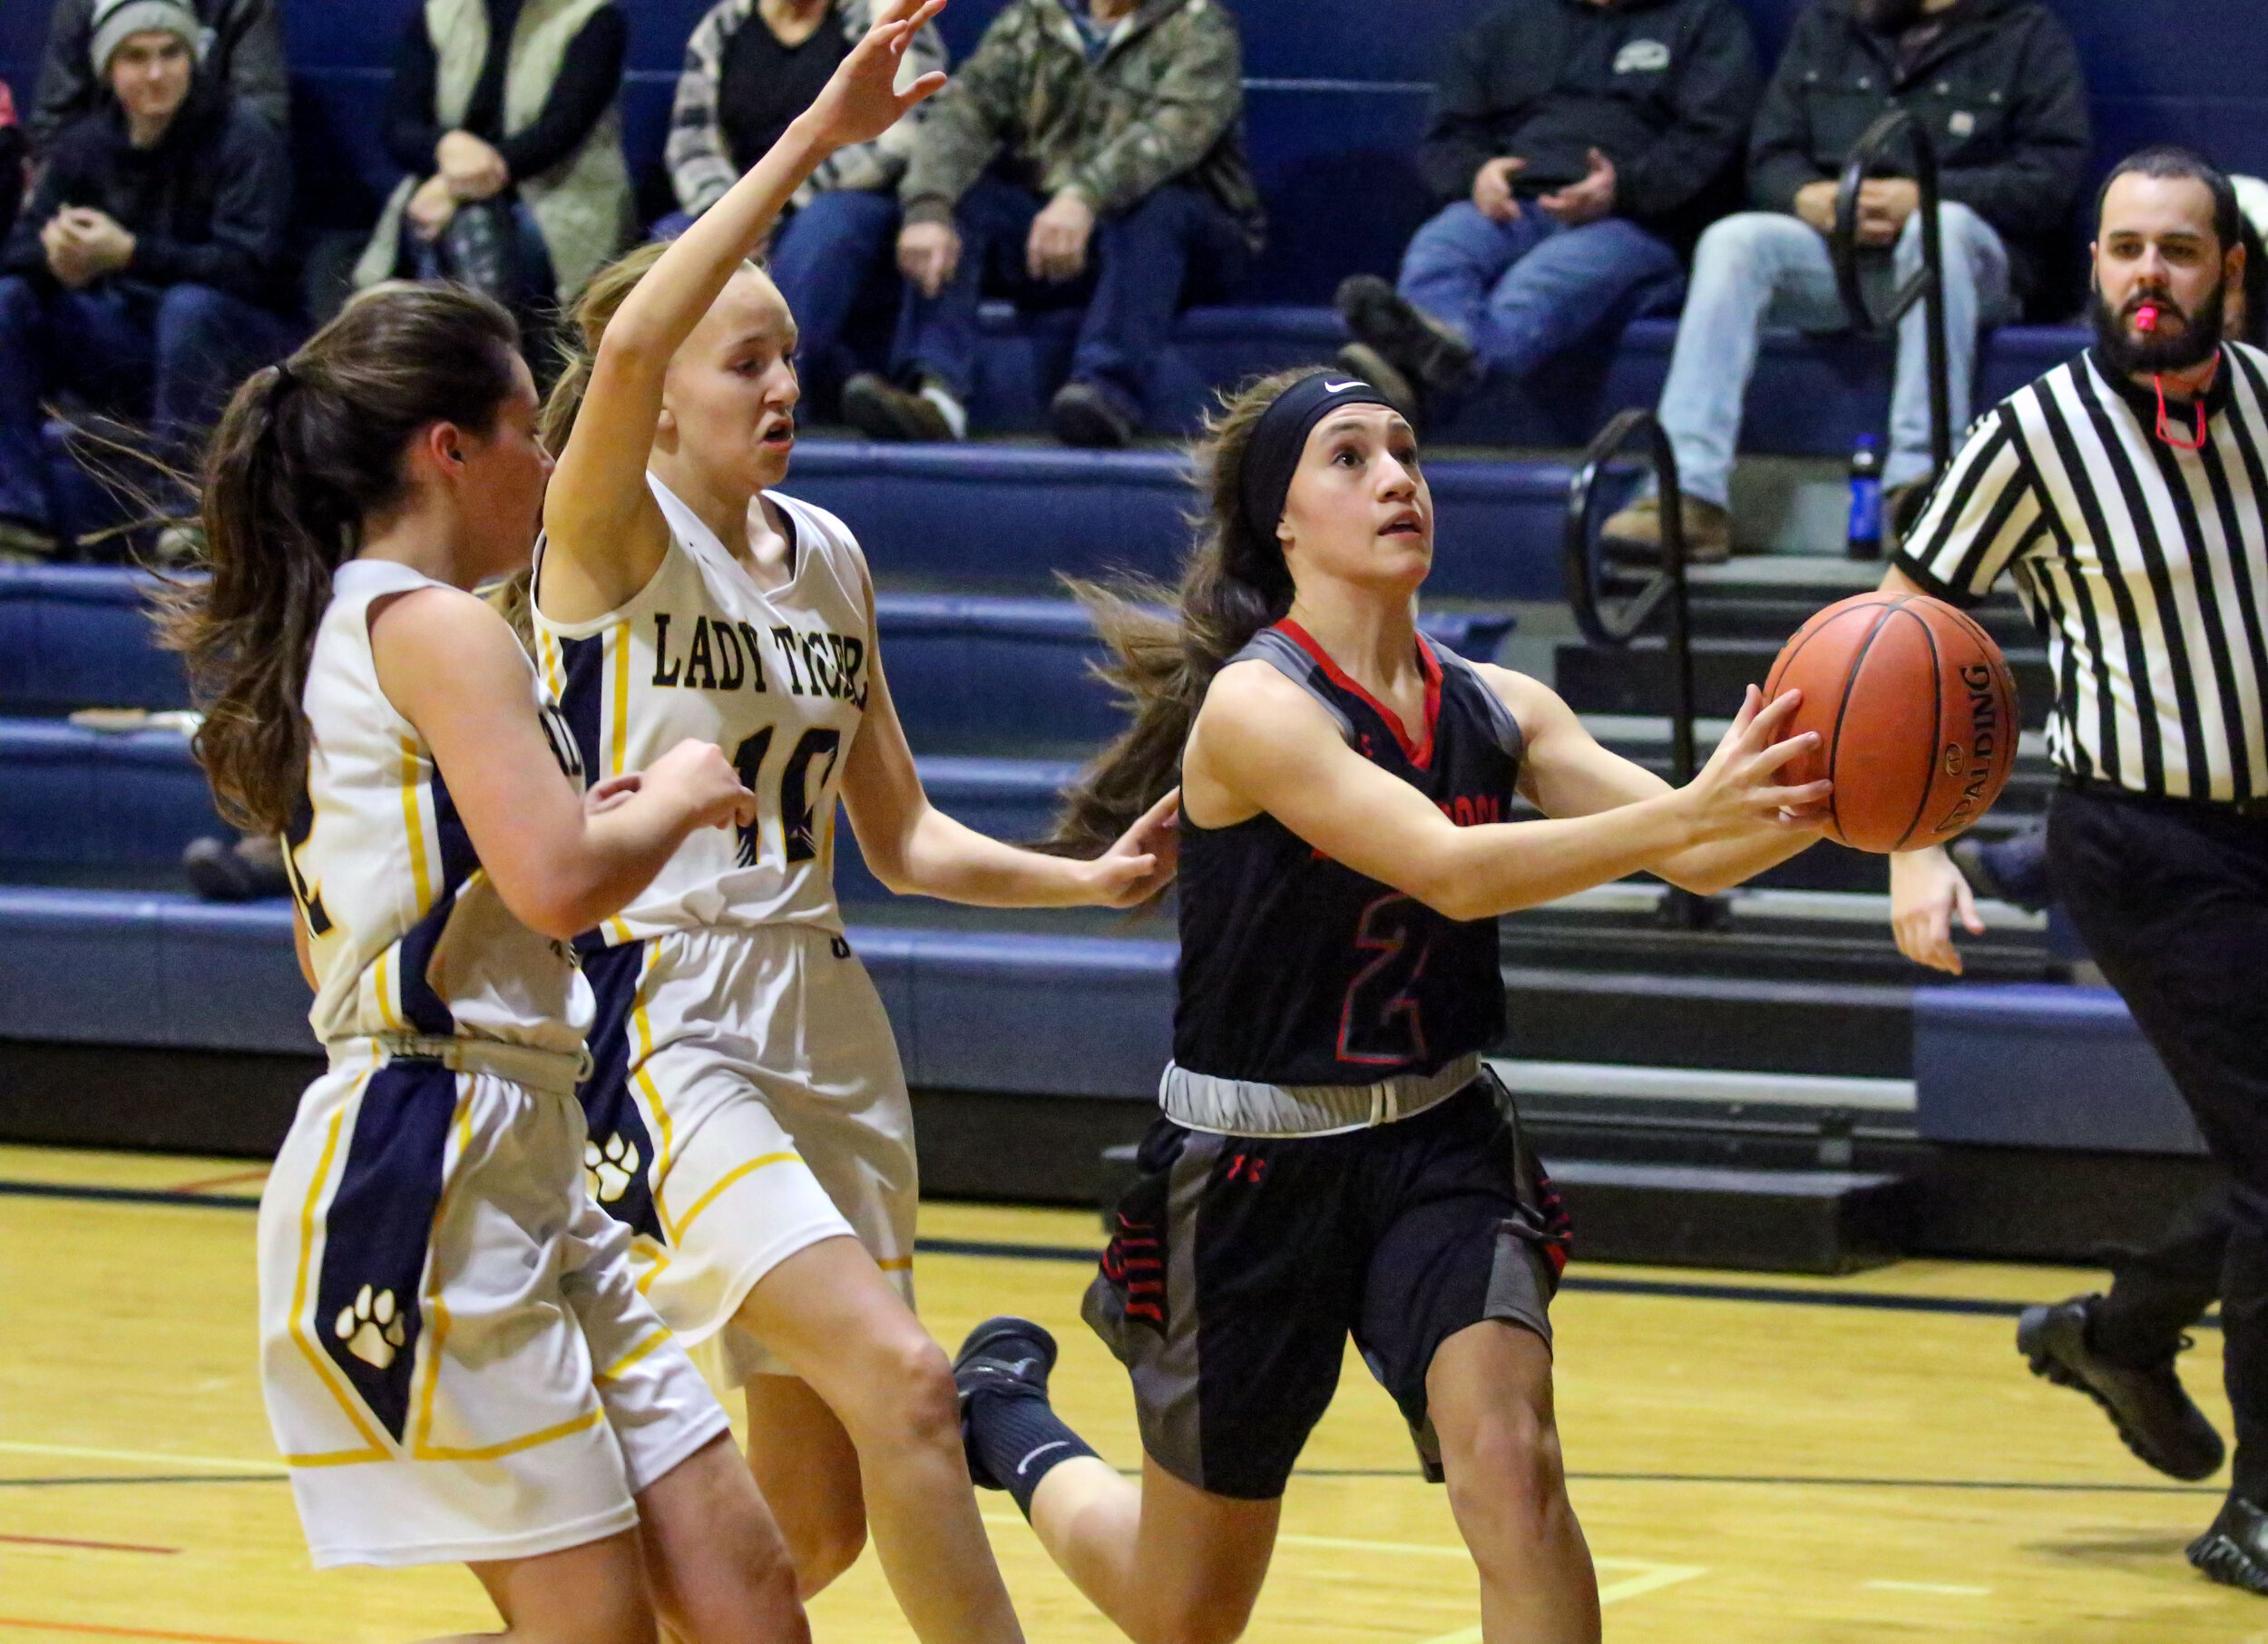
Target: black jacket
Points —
{"points": [[245, 53], [589, 78], [208, 203], [1663, 88], [2000, 91]]}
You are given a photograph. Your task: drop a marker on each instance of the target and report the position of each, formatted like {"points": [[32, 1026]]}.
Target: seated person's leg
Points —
{"points": [[207, 341], [822, 257], [1748, 267], [1977, 294], [933, 357], [27, 526], [1569, 289], [1422, 331], [1145, 261]]}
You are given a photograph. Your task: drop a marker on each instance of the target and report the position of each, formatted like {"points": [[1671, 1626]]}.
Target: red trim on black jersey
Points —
{"points": [[1420, 754]]}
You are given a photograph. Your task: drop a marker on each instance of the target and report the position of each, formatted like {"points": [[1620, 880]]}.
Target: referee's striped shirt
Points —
{"points": [[2145, 565]]}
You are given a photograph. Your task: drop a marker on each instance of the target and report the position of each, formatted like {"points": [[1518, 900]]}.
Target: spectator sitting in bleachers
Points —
{"points": [[240, 46], [1581, 147], [1089, 151], [1997, 86], [147, 271], [751, 67], [505, 115]]}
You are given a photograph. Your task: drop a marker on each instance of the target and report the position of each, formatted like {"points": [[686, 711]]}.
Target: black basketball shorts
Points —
{"points": [[1239, 1265]]}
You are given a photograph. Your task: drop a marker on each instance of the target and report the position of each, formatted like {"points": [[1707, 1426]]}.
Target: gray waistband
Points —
{"points": [[527, 1064], [1243, 1106]]}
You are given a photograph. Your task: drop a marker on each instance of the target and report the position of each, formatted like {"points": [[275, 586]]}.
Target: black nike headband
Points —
{"points": [[1280, 437]]}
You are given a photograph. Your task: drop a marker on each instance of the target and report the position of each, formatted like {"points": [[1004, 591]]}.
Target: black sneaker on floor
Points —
{"points": [[880, 409], [1414, 343], [1088, 417], [2234, 1551], [2149, 1407], [1003, 1357]]}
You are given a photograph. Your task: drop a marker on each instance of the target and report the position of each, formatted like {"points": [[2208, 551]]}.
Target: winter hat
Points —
{"points": [[115, 21]]}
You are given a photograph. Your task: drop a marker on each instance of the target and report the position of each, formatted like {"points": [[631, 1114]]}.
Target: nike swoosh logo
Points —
{"points": [[1042, 1450], [1342, 387]]}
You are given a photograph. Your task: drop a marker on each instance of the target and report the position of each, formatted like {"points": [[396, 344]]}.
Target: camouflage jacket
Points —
{"points": [[1165, 102]]}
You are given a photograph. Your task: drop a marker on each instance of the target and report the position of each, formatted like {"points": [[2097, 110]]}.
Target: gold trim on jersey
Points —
{"points": [[376, 1448], [730, 1177], [659, 1125], [618, 650], [526, 1440], [414, 820], [430, 1343], [613, 1372]]}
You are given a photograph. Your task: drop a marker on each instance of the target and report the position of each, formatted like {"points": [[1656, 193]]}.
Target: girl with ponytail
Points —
{"points": [[746, 1086], [1334, 1157], [457, 1360]]}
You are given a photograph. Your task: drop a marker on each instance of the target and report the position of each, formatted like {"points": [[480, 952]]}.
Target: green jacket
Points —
{"points": [[1165, 102]]}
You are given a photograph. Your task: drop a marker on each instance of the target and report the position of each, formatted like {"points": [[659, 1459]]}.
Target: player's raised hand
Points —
{"points": [[697, 777], [862, 101], [1141, 862], [1743, 788]]}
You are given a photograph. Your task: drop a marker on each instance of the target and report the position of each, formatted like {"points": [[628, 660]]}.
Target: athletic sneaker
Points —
{"points": [[2234, 1551], [880, 409], [1003, 1358], [1093, 417], [2148, 1406], [1421, 347]]}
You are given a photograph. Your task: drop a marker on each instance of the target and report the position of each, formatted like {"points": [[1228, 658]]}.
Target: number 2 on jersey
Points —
{"points": [[798, 826], [1380, 1023]]}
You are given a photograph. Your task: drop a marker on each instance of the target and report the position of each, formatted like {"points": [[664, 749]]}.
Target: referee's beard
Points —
{"points": [[2130, 353]]}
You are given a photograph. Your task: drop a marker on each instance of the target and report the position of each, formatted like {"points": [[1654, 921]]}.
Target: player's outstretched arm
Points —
{"points": [[599, 518], [918, 851], [1566, 773], [1262, 744], [452, 667]]}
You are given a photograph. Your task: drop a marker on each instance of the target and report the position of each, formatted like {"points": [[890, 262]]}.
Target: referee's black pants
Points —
{"points": [[2172, 898]]}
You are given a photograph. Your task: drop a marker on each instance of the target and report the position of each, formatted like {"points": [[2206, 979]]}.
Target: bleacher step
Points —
{"points": [[1789, 1221], [1637, 680]]}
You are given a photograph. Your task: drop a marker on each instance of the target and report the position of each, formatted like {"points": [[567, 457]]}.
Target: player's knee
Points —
{"points": [[1506, 1473], [826, 1546], [908, 1395], [1195, 1618]]}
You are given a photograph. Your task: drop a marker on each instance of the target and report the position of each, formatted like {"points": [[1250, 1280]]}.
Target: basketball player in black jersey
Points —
{"points": [[1333, 1157]]}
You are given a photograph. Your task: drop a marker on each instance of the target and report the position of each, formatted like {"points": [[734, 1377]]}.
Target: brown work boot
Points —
{"points": [[1634, 535]]}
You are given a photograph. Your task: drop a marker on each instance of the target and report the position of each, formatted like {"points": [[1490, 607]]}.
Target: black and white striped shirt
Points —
{"points": [[2145, 567]]}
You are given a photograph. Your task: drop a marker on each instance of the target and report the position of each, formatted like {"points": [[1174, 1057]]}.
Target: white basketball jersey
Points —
{"points": [[778, 679], [407, 935]]}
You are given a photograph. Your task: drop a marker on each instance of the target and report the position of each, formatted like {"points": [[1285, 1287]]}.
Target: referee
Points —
{"points": [[2124, 491]]}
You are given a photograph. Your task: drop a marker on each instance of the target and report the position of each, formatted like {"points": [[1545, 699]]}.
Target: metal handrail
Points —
{"points": [[1927, 285], [1613, 627]]}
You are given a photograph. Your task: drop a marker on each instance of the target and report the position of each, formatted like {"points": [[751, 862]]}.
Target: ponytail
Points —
{"points": [[1234, 584], [306, 452]]}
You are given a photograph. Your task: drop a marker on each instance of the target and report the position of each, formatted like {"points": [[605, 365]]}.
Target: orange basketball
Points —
{"points": [[1916, 714]]}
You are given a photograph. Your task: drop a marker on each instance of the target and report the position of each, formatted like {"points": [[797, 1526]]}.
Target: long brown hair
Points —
{"points": [[305, 454], [578, 351], [1234, 584]]}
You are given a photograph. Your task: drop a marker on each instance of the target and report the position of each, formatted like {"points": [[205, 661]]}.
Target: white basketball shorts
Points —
{"points": [[747, 1101], [458, 1364]]}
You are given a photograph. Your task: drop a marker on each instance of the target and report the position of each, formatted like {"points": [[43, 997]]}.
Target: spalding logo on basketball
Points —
{"points": [[1916, 714]]}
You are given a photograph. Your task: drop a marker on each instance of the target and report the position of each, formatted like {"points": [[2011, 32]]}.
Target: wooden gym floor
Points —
{"points": [[1752, 1460]]}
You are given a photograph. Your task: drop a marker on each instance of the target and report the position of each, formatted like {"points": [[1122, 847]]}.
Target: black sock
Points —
{"points": [[1021, 1440]]}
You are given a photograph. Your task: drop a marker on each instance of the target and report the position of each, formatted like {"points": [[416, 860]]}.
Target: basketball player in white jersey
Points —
{"points": [[748, 1114], [457, 1362]]}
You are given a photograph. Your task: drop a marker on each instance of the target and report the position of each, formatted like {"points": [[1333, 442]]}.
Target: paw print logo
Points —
{"points": [[372, 1327], [611, 1168]]}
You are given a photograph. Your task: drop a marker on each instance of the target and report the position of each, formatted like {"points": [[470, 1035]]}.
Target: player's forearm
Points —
{"points": [[1706, 869], [591, 868], [1504, 866], [938, 857]]}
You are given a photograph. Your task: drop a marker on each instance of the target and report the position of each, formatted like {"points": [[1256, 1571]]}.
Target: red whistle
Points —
{"points": [[2145, 317]]}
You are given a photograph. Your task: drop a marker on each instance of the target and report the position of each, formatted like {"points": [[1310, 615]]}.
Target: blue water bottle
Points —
{"points": [[1864, 541]]}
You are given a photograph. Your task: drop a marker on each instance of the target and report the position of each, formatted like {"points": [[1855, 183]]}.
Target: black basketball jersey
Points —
{"points": [[1296, 970]]}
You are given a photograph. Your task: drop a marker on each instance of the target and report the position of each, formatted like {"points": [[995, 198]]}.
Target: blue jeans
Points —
{"points": [[822, 258], [1178, 245], [1523, 290], [174, 356], [1766, 268]]}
